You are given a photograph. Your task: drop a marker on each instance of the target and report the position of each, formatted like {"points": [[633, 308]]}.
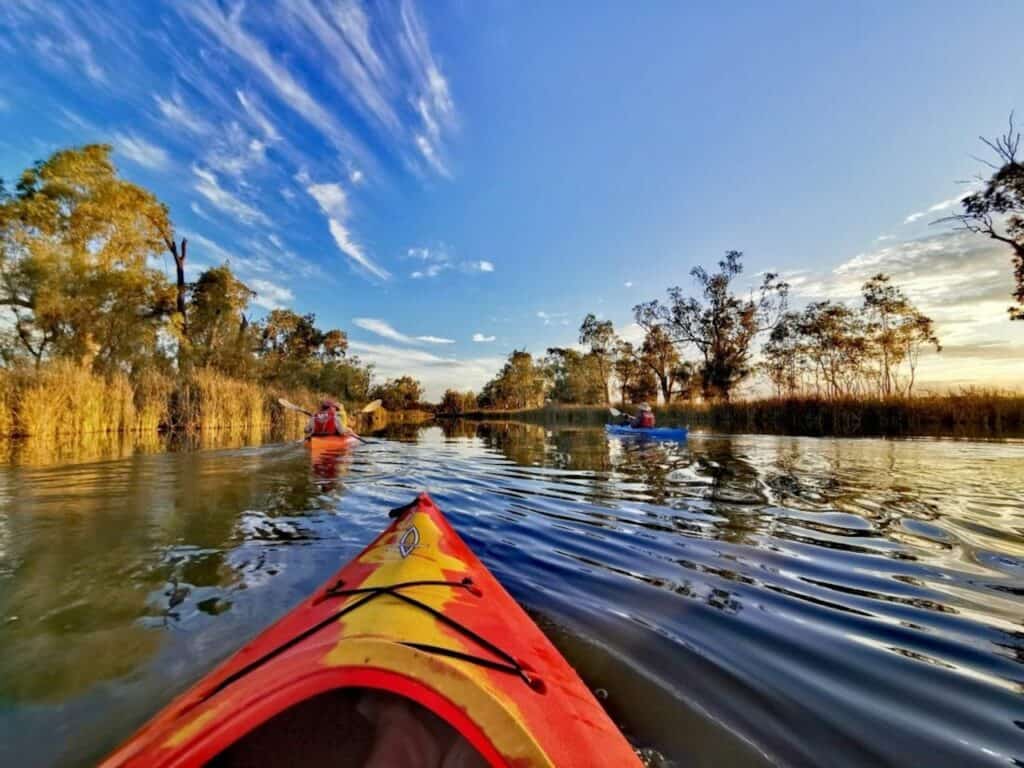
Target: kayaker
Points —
{"points": [[328, 421], [644, 418]]}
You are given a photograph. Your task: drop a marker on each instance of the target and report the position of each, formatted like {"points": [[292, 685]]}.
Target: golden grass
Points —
{"points": [[208, 400], [61, 399], [153, 395], [971, 411]]}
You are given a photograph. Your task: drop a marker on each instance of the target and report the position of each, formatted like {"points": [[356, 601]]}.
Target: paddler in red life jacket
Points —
{"points": [[330, 420], [644, 418]]}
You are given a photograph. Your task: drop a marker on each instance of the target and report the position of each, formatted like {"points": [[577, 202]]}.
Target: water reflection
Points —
{"points": [[741, 600]]}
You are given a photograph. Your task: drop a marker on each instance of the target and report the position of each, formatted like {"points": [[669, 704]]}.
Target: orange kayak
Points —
{"points": [[411, 655], [331, 443]]}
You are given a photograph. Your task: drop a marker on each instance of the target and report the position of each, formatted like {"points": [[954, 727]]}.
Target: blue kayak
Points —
{"points": [[657, 433]]}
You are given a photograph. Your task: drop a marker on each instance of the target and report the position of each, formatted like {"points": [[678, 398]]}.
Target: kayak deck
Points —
{"points": [[417, 616], [658, 433]]}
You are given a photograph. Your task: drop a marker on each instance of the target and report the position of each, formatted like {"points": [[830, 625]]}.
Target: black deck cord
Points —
{"points": [[292, 642], [511, 665]]}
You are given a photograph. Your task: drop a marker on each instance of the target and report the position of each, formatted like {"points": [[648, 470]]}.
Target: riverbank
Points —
{"points": [[61, 400], [973, 412]]}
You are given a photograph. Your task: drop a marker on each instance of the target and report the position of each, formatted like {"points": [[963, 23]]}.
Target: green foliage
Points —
{"points": [[219, 335], [720, 325], [575, 377], [74, 244], [455, 402], [997, 210], [296, 353], [401, 394], [521, 383], [599, 336], [837, 351]]}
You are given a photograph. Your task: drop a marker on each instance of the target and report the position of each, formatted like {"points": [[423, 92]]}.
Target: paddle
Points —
{"points": [[615, 412], [292, 406], [371, 407]]}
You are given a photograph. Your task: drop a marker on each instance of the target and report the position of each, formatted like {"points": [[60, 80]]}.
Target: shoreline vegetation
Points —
{"points": [[96, 339], [971, 412]]}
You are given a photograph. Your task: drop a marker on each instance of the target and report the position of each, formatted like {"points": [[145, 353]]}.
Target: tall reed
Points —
{"points": [[207, 399]]}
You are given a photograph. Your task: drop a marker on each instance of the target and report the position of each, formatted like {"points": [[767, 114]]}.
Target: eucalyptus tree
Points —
{"points": [[599, 336], [720, 325], [75, 245], [997, 210]]}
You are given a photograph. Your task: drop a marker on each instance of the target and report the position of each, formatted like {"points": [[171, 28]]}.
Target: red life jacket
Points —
{"points": [[326, 422], [645, 420]]}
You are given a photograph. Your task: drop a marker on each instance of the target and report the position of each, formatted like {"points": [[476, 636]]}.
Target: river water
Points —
{"points": [[735, 600]]}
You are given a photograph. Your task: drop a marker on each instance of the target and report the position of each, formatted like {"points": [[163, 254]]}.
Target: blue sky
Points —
{"points": [[426, 174]]}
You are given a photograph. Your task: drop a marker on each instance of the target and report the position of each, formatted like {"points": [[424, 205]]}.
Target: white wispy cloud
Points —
{"points": [[333, 203], [209, 187], [259, 118], [435, 340], [270, 295], [141, 151], [56, 35], [235, 152], [175, 109], [356, 176], [226, 28], [385, 330], [209, 247], [367, 84], [198, 210], [553, 318], [628, 284], [431, 270], [432, 97], [961, 280], [939, 207], [435, 372], [436, 261], [430, 154], [480, 338]]}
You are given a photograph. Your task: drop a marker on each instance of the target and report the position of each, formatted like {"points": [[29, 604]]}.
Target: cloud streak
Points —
{"points": [[209, 187], [270, 295], [386, 331], [436, 372], [141, 151], [333, 203], [226, 29], [174, 109]]}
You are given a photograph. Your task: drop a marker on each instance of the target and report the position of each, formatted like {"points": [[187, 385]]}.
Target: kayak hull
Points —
{"points": [[335, 443], [415, 614], [655, 433]]}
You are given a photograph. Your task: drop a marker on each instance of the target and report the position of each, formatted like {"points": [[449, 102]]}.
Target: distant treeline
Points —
{"points": [[971, 412], [95, 339], [828, 351], [699, 347]]}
